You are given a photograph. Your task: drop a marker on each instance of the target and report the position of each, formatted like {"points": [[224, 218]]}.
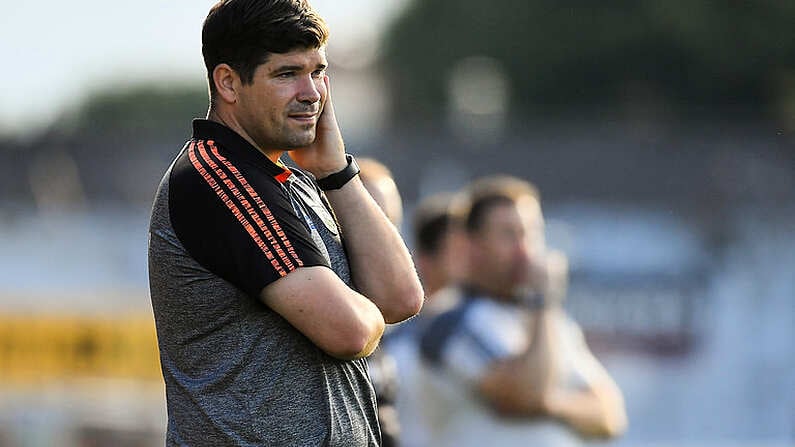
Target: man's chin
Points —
{"points": [[300, 142]]}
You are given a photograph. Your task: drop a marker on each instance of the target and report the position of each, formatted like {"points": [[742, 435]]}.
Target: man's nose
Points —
{"points": [[309, 91]]}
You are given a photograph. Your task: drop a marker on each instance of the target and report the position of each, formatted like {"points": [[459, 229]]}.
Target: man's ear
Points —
{"points": [[226, 82]]}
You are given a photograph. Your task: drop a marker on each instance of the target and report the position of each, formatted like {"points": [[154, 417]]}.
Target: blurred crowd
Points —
{"points": [[493, 358], [700, 357]]}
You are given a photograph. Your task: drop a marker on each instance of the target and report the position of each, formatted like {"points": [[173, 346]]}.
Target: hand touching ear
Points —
{"points": [[326, 155]]}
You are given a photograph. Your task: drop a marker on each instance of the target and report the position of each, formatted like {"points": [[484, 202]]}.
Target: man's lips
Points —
{"points": [[308, 117]]}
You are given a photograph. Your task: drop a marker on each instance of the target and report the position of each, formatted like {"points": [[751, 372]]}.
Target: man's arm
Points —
{"points": [[596, 411], [533, 382], [381, 265], [530, 385], [516, 386], [341, 322]]}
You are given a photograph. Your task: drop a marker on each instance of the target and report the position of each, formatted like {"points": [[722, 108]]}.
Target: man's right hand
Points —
{"points": [[557, 273], [326, 155]]}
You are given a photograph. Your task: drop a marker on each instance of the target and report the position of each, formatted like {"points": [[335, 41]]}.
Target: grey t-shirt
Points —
{"points": [[225, 223]]}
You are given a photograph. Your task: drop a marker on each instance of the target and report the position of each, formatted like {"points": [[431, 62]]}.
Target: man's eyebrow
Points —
{"points": [[287, 68], [283, 68]]}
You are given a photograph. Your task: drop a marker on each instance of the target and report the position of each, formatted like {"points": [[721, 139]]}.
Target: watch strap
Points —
{"points": [[338, 179]]}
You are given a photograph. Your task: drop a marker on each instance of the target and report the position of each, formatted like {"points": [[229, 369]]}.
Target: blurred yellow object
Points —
{"points": [[37, 348]]}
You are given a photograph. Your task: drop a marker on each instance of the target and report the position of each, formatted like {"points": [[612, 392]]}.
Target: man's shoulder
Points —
{"points": [[472, 316], [460, 305], [304, 176], [204, 172], [443, 319], [443, 300], [305, 186]]}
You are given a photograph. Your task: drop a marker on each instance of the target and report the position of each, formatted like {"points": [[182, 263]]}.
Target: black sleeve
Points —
{"points": [[236, 221]]}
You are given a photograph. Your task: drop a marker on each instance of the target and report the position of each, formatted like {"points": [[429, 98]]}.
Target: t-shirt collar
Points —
{"points": [[232, 142]]}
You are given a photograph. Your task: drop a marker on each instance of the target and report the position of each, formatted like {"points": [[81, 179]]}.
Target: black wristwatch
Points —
{"points": [[338, 179]]}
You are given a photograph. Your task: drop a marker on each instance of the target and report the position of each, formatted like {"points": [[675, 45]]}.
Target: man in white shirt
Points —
{"points": [[505, 366]]}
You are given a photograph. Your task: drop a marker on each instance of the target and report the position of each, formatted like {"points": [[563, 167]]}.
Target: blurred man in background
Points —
{"points": [[436, 258], [263, 319], [438, 261], [507, 367]]}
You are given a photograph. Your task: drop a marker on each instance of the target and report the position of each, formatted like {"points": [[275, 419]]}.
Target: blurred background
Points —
{"points": [[661, 135]]}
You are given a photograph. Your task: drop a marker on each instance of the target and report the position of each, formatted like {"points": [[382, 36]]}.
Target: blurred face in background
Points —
{"points": [[443, 266], [385, 193], [508, 250]]}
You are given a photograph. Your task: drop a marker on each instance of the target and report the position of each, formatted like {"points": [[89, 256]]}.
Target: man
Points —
{"points": [[435, 239], [434, 253], [507, 367], [262, 335]]}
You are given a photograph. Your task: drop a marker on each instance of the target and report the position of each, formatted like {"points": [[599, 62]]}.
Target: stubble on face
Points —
{"points": [[299, 127], [504, 267]]}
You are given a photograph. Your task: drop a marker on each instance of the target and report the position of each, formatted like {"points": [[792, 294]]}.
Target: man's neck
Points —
{"points": [[230, 121]]}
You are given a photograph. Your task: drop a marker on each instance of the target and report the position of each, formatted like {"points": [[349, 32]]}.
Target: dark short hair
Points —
{"points": [[243, 33], [432, 221], [473, 205]]}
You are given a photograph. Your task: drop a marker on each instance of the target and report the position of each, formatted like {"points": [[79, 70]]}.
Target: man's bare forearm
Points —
{"points": [[381, 265], [592, 413]]}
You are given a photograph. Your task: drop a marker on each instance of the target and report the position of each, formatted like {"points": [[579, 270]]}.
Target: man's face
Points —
{"points": [[508, 247], [280, 108]]}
